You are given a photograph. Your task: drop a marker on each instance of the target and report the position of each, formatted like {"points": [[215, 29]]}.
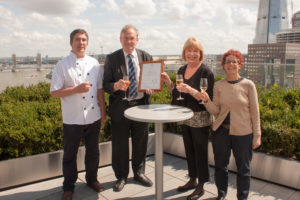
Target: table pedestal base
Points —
{"points": [[158, 114], [158, 161]]}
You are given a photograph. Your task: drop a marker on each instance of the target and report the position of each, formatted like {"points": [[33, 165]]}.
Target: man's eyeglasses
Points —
{"points": [[232, 61]]}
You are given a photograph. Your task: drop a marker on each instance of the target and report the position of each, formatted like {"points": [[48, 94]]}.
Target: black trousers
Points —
{"points": [[241, 147], [71, 140], [196, 150], [121, 131]]}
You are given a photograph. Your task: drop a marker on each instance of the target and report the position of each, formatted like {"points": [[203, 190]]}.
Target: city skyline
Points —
{"points": [[32, 26]]}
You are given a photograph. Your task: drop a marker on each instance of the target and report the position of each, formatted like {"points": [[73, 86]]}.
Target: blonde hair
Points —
{"points": [[192, 42], [127, 27]]}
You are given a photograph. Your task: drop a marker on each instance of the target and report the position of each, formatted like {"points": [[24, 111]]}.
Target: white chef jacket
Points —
{"points": [[79, 108]]}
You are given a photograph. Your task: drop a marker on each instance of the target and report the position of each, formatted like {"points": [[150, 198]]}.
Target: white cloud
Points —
{"points": [[35, 37], [56, 7], [175, 9], [41, 22], [244, 17], [36, 21], [8, 20], [137, 8], [29, 43], [103, 41], [190, 9], [38, 17], [247, 2], [225, 16], [296, 5], [217, 40], [203, 10], [132, 8], [58, 22], [4, 43], [111, 5], [29, 26], [155, 34], [80, 23]]}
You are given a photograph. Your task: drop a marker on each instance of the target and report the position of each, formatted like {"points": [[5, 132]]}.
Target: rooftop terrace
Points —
{"points": [[175, 174]]}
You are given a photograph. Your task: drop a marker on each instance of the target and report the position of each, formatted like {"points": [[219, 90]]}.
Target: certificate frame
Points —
{"points": [[150, 76]]}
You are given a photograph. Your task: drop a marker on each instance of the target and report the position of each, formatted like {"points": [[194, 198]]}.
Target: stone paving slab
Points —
{"points": [[175, 174]]}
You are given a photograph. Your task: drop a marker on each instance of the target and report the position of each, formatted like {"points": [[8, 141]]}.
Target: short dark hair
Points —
{"points": [[82, 31]]}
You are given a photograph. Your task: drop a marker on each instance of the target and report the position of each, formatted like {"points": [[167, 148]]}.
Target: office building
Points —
{"points": [[296, 20], [290, 35], [274, 63]]}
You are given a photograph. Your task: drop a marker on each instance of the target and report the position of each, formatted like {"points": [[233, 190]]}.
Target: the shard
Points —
{"points": [[272, 16]]}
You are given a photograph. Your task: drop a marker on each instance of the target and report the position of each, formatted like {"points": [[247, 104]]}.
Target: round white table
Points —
{"points": [[158, 114]]}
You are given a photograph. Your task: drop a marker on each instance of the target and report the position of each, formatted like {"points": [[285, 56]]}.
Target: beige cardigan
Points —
{"points": [[240, 99]]}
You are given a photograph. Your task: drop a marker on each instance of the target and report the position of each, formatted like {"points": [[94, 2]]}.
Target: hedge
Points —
{"points": [[31, 123]]}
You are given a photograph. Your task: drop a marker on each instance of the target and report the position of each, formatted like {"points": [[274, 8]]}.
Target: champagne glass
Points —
{"points": [[203, 86], [179, 80], [127, 82]]}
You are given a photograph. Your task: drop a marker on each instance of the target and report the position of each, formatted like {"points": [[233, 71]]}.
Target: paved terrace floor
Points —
{"points": [[175, 174]]}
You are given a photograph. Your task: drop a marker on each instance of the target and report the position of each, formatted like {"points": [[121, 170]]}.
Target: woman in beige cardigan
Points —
{"points": [[237, 124]]}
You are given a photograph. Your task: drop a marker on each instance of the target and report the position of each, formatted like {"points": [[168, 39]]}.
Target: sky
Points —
{"points": [[28, 27]]}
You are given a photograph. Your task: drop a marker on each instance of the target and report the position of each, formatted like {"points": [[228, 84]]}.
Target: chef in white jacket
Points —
{"points": [[77, 81]]}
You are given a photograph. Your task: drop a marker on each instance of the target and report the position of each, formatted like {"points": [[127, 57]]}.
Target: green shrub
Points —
{"points": [[39, 92], [31, 123], [280, 141], [28, 128]]}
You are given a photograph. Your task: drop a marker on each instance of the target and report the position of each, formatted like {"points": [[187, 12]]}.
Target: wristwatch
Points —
{"points": [[194, 93]]}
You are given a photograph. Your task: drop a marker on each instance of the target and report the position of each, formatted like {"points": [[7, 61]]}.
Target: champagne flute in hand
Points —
{"points": [[127, 82], [179, 80], [203, 86]]}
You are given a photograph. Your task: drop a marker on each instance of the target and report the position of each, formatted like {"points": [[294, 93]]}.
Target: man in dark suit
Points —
{"points": [[126, 61]]}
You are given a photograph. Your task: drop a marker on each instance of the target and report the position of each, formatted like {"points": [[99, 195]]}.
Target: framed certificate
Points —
{"points": [[150, 75]]}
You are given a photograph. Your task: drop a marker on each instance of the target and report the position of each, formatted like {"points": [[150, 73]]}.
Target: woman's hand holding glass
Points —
{"points": [[203, 86], [204, 96], [183, 88], [179, 82]]}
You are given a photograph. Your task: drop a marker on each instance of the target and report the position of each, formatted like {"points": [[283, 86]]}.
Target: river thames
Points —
{"points": [[24, 77]]}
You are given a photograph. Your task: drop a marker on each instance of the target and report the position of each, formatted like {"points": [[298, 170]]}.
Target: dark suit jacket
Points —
{"points": [[114, 69]]}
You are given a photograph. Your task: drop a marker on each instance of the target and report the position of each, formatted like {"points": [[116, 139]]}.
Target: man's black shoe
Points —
{"points": [[96, 186], [195, 196], [185, 188], [119, 185], [144, 180], [67, 195]]}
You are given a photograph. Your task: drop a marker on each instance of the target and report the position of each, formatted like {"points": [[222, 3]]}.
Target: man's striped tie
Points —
{"points": [[132, 87]]}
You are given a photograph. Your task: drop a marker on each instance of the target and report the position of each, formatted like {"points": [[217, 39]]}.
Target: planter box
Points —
{"points": [[25, 170], [270, 168], [28, 169]]}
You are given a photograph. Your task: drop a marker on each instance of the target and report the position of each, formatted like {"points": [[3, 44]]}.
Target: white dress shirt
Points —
{"points": [[81, 108], [136, 64]]}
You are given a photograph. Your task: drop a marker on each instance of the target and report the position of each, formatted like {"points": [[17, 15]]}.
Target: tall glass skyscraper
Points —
{"points": [[272, 16]]}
